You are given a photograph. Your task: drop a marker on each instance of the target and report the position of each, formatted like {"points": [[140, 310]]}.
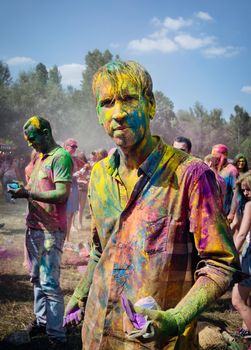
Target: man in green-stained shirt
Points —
{"points": [[157, 229], [47, 192]]}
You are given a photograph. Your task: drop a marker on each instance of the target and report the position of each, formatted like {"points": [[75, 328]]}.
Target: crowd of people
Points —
{"points": [[162, 249]]}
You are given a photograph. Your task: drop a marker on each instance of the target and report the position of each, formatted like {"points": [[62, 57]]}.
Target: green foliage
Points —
{"points": [[203, 128], [54, 76], [165, 119], [5, 77], [239, 126], [72, 112], [93, 60], [41, 74]]}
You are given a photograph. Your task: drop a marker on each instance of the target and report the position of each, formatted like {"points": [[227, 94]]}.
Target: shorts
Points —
{"points": [[245, 259], [73, 199]]}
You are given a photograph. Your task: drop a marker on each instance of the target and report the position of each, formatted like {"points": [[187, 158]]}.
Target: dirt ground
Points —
{"points": [[216, 326]]}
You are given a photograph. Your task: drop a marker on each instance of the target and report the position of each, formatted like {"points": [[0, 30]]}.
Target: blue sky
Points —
{"points": [[195, 50]]}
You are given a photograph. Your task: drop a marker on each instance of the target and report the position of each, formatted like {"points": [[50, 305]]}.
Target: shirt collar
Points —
{"points": [[44, 155], [152, 161], [147, 167]]}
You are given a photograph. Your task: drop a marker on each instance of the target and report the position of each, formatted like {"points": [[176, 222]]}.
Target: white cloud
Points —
{"points": [[147, 45], [20, 60], [176, 24], [169, 38], [204, 16], [227, 51], [71, 74], [246, 89], [159, 34], [188, 42]]}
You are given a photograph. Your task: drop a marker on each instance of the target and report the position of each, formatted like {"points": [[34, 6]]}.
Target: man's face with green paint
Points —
{"points": [[36, 138], [124, 112]]}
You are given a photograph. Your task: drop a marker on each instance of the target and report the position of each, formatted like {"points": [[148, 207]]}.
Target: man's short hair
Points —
{"points": [[39, 123], [184, 140], [213, 160], [136, 73], [220, 149]]}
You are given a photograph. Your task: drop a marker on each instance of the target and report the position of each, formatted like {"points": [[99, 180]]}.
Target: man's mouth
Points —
{"points": [[121, 127]]}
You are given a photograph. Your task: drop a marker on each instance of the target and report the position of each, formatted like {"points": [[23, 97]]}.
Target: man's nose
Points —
{"points": [[119, 111]]}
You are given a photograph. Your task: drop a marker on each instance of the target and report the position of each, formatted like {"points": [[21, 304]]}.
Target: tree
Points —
{"points": [[40, 78], [215, 130], [5, 77], [245, 148], [7, 115], [55, 76], [239, 125], [165, 118], [93, 61]]}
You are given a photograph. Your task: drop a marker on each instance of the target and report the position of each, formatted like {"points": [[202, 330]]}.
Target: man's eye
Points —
{"points": [[129, 98], [107, 103]]}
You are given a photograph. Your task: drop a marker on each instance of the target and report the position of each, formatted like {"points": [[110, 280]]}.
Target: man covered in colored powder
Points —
{"points": [[49, 187], [158, 233], [229, 173]]}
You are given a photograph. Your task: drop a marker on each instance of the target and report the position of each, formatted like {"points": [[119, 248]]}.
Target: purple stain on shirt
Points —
{"points": [[203, 243], [138, 320]]}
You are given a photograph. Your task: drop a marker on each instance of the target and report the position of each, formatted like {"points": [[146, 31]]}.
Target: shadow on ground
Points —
{"points": [[41, 342], [16, 288]]}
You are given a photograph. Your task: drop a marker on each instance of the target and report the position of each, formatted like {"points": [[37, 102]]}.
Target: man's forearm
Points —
{"points": [[82, 290], [200, 296], [173, 322], [53, 196]]}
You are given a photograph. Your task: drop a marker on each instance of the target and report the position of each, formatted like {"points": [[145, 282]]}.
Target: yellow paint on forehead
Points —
{"points": [[123, 83], [35, 122]]}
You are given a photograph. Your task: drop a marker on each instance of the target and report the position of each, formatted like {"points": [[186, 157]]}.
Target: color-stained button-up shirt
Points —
{"points": [[150, 244]]}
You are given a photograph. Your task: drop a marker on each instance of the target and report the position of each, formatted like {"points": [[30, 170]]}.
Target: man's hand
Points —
{"points": [[74, 312], [164, 322], [230, 217], [20, 192]]}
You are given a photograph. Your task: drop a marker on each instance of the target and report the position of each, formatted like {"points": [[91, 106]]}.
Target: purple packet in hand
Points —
{"points": [[74, 318], [138, 320]]}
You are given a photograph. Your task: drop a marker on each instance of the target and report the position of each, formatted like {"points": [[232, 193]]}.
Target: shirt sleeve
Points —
{"points": [[62, 168], [212, 235], [213, 240]]}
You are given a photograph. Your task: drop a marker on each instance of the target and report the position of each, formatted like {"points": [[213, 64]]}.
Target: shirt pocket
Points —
{"points": [[156, 239]]}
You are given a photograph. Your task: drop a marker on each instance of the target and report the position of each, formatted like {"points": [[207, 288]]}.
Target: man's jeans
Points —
{"points": [[45, 250]]}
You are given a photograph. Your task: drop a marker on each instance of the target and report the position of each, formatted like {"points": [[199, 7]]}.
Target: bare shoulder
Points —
{"points": [[248, 207]]}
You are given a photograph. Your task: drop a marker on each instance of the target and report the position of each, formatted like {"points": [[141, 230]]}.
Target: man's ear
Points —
{"points": [[45, 132], [152, 108]]}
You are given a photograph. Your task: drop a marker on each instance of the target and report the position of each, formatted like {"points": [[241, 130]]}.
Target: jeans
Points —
{"points": [[45, 250]]}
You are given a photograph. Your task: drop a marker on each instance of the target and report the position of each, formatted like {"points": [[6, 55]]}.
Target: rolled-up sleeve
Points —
{"points": [[212, 235]]}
